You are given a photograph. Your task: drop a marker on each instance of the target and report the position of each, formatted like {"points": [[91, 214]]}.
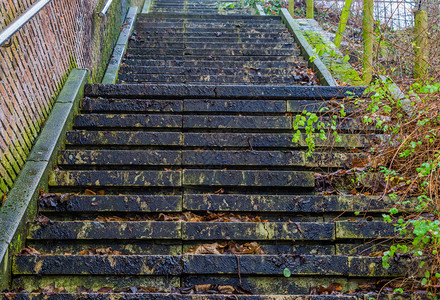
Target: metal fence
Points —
{"points": [[397, 14]]}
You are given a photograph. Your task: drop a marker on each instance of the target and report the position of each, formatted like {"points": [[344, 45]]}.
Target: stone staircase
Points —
{"points": [[189, 185]]}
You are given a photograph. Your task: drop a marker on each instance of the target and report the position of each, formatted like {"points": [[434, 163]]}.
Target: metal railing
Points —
{"points": [[105, 9], [8, 32]]}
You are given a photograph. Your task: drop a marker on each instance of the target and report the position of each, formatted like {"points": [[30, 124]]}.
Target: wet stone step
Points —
{"points": [[365, 230], [267, 231], [114, 203], [238, 122], [127, 120], [166, 296], [115, 178], [217, 59], [194, 79], [98, 265], [284, 203], [95, 283], [124, 138], [157, 35], [131, 105], [94, 230], [248, 178], [255, 265], [291, 71], [204, 264], [269, 140], [218, 38], [208, 25], [235, 106], [126, 247], [220, 18], [212, 21], [268, 158], [219, 45], [212, 52], [120, 157], [215, 64]]}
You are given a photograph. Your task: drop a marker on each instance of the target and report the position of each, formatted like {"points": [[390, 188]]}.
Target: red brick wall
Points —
{"points": [[65, 34]]}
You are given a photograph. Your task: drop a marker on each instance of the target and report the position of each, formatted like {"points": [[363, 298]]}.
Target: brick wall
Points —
{"points": [[65, 34]]}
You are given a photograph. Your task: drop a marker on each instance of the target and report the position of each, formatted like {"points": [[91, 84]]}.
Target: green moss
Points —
{"points": [[342, 71]]}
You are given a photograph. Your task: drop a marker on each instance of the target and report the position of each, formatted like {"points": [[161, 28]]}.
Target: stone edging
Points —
{"points": [[20, 205], [317, 65], [111, 74]]}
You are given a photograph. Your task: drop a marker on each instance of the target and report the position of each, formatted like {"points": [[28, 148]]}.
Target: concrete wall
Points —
{"points": [[64, 35]]}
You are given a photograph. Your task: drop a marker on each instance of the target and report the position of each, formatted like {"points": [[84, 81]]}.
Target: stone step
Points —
{"points": [[128, 120], [212, 52], [215, 203], [211, 140], [156, 35], [212, 17], [177, 91], [173, 265], [253, 63], [186, 26], [219, 45], [206, 79], [189, 31], [143, 19], [178, 178], [215, 231], [281, 39], [218, 59], [170, 296], [292, 70], [190, 158]]}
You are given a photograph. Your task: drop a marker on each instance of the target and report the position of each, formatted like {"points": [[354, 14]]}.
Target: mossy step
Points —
{"points": [[236, 140], [120, 157], [172, 265], [269, 140], [127, 120], [187, 231], [212, 52], [248, 178], [221, 18], [161, 158], [232, 91], [213, 45], [237, 122], [248, 21], [289, 71], [116, 203], [284, 203], [266, 231], [234, 106], [365, 230], [166, 35], [203, 79], [115, 178], [215, 64], [281, 39], [168, 296], [131, 105], [93, 230], [268, 158], [140, 138], [219, 59], [208, 25]]}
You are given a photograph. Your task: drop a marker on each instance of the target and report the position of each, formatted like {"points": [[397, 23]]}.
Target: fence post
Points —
{"points": [[421, 41], [368, 35], [310, 9], [343, 22], [291, 7]]}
